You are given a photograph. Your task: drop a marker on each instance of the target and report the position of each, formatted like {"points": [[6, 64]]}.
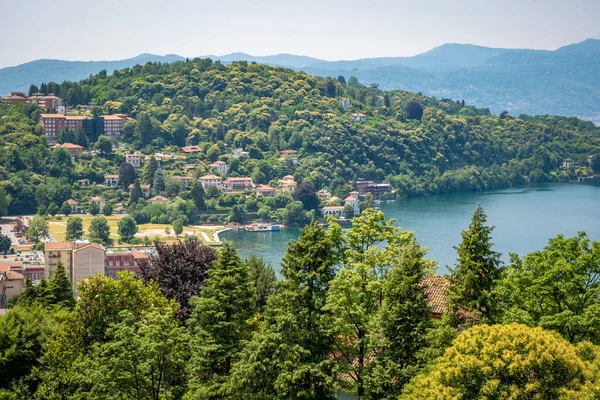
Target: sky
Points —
{"points": [[326, 29]]}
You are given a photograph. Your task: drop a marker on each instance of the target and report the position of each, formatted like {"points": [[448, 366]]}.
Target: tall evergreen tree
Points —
{"points": [[158, 183], [149, 170], [476, 274], [219, 324], [136, 193], [60, 289], [289, 358]]}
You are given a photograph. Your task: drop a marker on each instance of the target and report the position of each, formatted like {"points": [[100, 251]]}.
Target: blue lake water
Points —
{"points": [[525, 218]]}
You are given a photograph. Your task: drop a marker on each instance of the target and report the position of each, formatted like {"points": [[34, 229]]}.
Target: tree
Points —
{"points": [[74, 228], [126, 175], [179, 270], [136, 193], [80, 137], [263, 277], [305, 192], [341, 80], [127, 228], [473, 280], [212, 191], [144, 359], [178, 227], [144, 131], [330, 89], [197, 194], [65, 209], [503, 362], [149, 170], [94, 208], [557, 288], [219, 324], [38, 229], [104, 145], [158, 184], [289, 357], [414, 110], [5, 200], [238, 214], [595, 165], [33, 89], [52, 209], [294, 213], [99, 230], [60, 288], [348, 211], [108, 209], [5, 243]]}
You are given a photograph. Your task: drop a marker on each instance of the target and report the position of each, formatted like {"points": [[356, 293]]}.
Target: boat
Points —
{"points": [[391, 201], [262, 228]]}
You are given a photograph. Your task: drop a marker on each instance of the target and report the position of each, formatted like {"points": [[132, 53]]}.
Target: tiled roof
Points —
{"points": [[158, 199], [209, 177], [111, 176], [72, 202], [81, 246], [436, 288], [97, 198], [333, 208], [138, 254], [71, 146], [58, 246], [351, 198], [52, 116]]}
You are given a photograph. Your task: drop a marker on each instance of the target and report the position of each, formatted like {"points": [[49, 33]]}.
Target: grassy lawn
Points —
{"points": [[58, 229]]}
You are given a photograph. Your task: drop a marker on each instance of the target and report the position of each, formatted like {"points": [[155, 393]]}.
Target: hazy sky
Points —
{"points": [[327, 29]]}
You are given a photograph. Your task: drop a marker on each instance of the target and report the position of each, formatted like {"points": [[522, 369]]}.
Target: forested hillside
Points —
{"points": [[421, 145]]}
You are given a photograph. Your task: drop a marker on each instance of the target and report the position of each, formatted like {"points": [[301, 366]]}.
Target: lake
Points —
{"points": [[525, 218]]}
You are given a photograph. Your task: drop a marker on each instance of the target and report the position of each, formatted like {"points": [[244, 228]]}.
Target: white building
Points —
{"points": [[220, 167], [345, 103], [353, 202], [358, 117], [111, 180], [134, 159], [211, 180], [333, 211], [240, 153]]}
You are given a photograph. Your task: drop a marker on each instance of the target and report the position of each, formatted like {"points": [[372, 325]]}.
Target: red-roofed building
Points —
{"points": [[190, 149], [73, 149], [145, 189], [158, 199], [122, 261], [238, 183], [113, 124]]}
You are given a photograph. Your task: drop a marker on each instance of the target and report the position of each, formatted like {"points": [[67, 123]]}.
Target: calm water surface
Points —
{"points": [[525, 218]]}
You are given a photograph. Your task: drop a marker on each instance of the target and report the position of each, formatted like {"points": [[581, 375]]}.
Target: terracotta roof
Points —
{"points": [[142, 186], [217, 163], [8, 267], [239, 178], [52, 116], [112, 117], [97, 199], [351, 198], [158, 199], [288, 152], [288, 178], [265, 188], [58, 246], [81, 246], [72, 202], [209, 177], [333, 208], [435, 288], [138, 254], [70, 146], [76, 117], [191, 149], [12, 275]]}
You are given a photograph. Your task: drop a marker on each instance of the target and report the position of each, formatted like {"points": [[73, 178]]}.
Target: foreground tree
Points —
{"points": [[219, 324], [474, 279], [289, 358], [38, 229], [263, 277], [180, 270], [503, 362], [557, 288], [74, 228]]}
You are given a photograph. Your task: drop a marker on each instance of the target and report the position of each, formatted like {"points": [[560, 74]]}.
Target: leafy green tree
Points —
{"points": [[5, 200], [414, 110], [557, 288], [238, 214], [104, 145], [305, 193], [348, 211], [198, 195], [149, 170], [144, 131], [99, 230], [212, 191], [65, 209], [474, 279], [294, 213], [158, 183], [218, 324], [80, 137], [74, 228], [144, 359], [60, 288], [52, 209], [503, 362], [263, 277], [136, 193], [289, 357], [94, 208], [178, 227], [5, 243], [127, 228], [38, 229], [108, 209]]}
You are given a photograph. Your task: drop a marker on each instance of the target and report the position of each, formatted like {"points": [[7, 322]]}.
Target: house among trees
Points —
{"points": [[353, 202], [111, 180], [145, 189], [220, 167], [358, 117], [345, 103], [158, 199], [436, 288], [568, 163], [83, 182], [49, 102], [238, 183], [190, 149], [75, 209], [240, 153], [288, 184], [98, 200], [265, 190], [73, 149], [81, 259], [324, 194], [290, 155], [134, 159], [333, 211], [211, 180]]}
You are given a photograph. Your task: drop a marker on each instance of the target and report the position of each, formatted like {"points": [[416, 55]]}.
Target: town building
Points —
{"points": [[110, 125], [358, 117], [211, 180], [265, 190], [345, 103], [183, 180], [73, 149], [146, 190], [288, 184], [88, 261], [353, 202], [568, 163], [75, 208], [324, 194], [240, 153], [376, 189], [111, 180], [83, 182], [190, 149], [134, 159], [122, 261], [98, 200], [55, 253], [333, 211], [290, 155], [158, 199], [45, 102], [113, 124], [219, 167], [12, 282], [238, 183]]}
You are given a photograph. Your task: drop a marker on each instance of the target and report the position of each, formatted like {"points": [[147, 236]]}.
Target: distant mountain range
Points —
{"points": [[562, 82]]}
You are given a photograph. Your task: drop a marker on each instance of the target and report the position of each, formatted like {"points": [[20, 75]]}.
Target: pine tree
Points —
{"points": [[289, 357], [149, 170], [477, 271], [158, 184], [219, 324], [60, 289], [136, 193]]}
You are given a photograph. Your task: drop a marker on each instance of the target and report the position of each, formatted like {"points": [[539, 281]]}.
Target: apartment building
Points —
{"points": [[81, 259], [134, 159], [211, 180], [220, 167], [122, 261], [238, 183]]}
